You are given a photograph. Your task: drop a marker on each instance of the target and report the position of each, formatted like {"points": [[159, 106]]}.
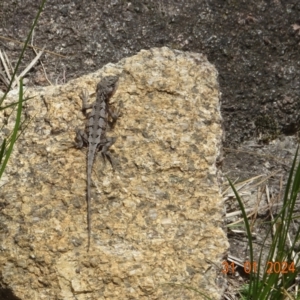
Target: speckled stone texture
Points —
{"points": [[156, 220]]}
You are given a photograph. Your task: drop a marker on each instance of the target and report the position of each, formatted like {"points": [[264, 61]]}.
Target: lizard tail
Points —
{"points": [[89, 211], [91, 156]]}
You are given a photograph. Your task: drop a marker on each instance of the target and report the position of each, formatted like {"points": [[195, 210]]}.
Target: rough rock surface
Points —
{"points": [[156, 220]]}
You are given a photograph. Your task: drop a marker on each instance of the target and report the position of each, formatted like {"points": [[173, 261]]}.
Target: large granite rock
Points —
{"points": [[156, 220]]}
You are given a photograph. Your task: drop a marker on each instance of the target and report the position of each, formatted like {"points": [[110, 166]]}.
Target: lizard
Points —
{"points": [[94, 136]]}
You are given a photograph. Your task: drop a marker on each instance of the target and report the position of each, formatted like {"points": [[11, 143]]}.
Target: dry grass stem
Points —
{"points": [[33, 62], [20, 43], [33, 48]]}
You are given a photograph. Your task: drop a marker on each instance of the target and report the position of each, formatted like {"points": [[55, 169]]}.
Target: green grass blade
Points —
{"points": [[2, 150], [289, 182], [23, 51], [252, 275], [275, 283], [15, 103], [15, 130]]}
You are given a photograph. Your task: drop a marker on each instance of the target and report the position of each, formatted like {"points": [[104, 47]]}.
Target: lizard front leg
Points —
{"points": [[81, 138], [84, 96], [114, 114]]}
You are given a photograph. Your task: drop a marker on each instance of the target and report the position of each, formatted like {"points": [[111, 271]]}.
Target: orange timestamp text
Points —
{"points": [[251, 267]]}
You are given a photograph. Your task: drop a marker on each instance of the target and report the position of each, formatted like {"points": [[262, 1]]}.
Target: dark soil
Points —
{"points": [[255, 45]]}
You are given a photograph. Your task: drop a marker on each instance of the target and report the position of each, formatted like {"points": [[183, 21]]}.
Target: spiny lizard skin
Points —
{"points": [[94, 136]]}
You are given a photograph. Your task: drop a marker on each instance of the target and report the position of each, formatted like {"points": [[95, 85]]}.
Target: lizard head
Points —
{"points": [[108, 85]]}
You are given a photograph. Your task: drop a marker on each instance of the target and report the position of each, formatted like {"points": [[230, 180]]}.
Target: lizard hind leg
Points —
{"points": [[105, 145], [107, 155]]}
